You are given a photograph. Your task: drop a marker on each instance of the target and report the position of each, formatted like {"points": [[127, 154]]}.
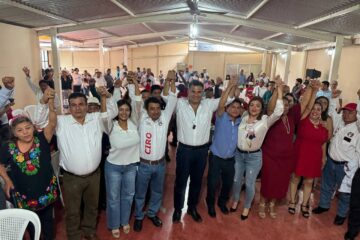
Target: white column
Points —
{"points": [[101, 55], [263, 62], [126, 56], [287, 65], [335, 60], [56, 65], [273, 66]]}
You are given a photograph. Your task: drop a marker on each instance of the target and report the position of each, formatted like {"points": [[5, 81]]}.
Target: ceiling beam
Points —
{"points": [[251, 13], [273, 35], [117, 3], [269, 26], [231, 44], [116, 22], [245, 39], [159, 43], [113, 34], [35, 10], [143, 36], [330, 16]]}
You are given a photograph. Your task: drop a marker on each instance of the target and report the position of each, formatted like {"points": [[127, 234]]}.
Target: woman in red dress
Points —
{"points": [[278, 154], [310, 155]]}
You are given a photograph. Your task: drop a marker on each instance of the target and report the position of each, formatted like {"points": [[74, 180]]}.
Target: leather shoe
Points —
{"points": [[138, 225], [91, 237], [211, 211], [176, 216], [339, 220], [224, 209], [319, 210], [156, 221], [194, 214]]}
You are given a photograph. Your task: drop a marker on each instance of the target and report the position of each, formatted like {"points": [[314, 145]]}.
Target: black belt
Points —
{"points": [[194, 147], [242, 151], [83, 176], [155, 162], [338, 163]]}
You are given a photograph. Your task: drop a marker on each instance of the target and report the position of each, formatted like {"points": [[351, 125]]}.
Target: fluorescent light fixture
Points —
{"points": [[193, 30], [72, 48], [283, 55], [59, 41]]}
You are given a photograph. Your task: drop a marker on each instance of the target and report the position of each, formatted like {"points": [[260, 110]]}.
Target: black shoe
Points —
{"points": [[138, 225], [223, 209], [319, 210], [233, 209], [156, 221], [194, 214], [339, 220], [349, 236], [176, 216], [211, 211]]}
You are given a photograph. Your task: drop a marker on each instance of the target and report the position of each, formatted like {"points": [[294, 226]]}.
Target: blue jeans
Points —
{"points": [[155, 174], [120, 191], [332, 177], [250, 164]]}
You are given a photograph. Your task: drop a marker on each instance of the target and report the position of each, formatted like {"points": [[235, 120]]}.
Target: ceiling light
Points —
{"points": [[193, 30], [330, 51]]}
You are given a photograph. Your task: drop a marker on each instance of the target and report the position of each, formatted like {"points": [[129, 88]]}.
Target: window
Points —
{"points": [[44, 59]]}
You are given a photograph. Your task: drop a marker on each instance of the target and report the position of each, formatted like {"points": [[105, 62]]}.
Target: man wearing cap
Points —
{"points": [[344, 149]]}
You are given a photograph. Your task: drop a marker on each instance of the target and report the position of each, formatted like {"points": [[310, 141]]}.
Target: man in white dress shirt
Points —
{"points": [[153, 129], [193, 117], [79, 138], [344, 149]]}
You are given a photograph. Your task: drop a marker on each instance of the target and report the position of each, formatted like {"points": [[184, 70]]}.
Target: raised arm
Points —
{"points": [[172, 98], [48, 97], [314, 85], [170, 78], [279, 107], [306, 96], [108, 108], [274, 97], [31, 84], [222, 103]]}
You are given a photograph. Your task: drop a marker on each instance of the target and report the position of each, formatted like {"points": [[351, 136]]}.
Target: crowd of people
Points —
{"points": [[116, 131]]}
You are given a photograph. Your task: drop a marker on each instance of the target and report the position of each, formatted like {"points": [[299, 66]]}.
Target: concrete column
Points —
{"points": [[56, 65], [263, 62], [287, 65], [273, 66], [101, 55], [126, 55], [335, 60]]}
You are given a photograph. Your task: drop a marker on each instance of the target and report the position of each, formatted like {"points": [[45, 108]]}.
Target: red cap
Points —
{"points": [[350, 107]]}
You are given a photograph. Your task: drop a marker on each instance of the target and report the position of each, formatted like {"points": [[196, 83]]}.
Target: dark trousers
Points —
{"points": [[190, 161], [78, 190], [354, 213], [224, 168], [76, 88], [47, 223]]}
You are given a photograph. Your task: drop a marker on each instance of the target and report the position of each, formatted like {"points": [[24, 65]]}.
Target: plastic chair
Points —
{"points": [[30, 111], [13, 223]]}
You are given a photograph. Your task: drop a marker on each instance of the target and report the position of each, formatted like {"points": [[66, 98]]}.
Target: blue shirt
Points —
{"points": [[225, 136], [242, 79]]}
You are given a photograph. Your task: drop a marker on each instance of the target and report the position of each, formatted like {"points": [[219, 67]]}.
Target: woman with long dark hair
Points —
{"points": [[310, 153], [248, 158], [31, 182], [325, 118], [121, 164]]}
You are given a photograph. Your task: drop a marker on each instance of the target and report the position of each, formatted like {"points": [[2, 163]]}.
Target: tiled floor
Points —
{"points": [[228, 227]]}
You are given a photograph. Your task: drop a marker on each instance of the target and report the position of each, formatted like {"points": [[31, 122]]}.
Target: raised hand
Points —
{"points": [[315, 84], [171, 75], [9, 82], [103, 92], [26, 70], [278, 81], [49, 93]]}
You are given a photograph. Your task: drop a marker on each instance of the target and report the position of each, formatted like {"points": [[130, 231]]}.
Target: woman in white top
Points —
{"points": [[121, 166], [248, 157]]}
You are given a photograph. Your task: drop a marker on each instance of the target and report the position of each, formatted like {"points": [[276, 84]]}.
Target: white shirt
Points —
{"points": [[39, 94], [345, 143], [251, 135], [350, 169], [124, 144], [153, 134], [77, 79], [80, 145], [186, 119], [259, 91], [100, 81]]}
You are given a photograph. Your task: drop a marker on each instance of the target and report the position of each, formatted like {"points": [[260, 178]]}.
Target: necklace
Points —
{"points": [[316, 124], [285, 121]]}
